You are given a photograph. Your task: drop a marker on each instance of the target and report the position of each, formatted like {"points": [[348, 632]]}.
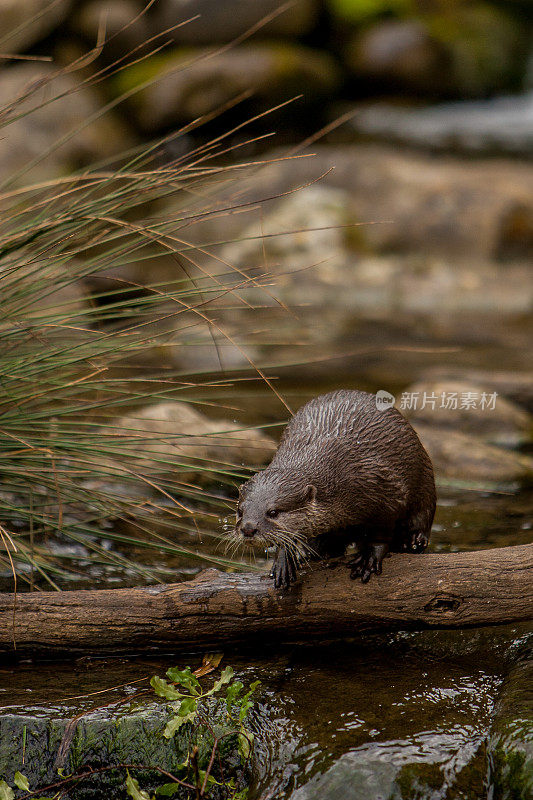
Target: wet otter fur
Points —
{"points": [[344, 473]]}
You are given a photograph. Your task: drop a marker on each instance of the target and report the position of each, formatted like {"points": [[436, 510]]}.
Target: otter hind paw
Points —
{"points": [[416, 543], [368, 561]]}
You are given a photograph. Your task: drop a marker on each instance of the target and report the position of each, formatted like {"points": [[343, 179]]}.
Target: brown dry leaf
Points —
{"points": [[209, 663]]}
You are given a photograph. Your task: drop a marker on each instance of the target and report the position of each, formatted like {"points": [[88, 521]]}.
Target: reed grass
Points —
{"points": [[73, 358]]}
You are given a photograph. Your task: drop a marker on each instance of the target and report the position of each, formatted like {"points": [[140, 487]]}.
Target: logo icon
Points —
{"points": [[384, 400]]}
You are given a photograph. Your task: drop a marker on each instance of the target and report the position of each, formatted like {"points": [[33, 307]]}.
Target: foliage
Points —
{"points": [[191, 713], [212, 724], [78, 347]]}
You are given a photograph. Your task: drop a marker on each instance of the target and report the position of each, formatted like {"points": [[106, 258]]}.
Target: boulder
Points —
{"points": [[54, 136], [397, 54], [467, 50], [383, 286], [461, 457], [500, 125], [74, 737], [25, 22], [223, 22], [471, 408], [305, 230], [433, 207], [516, 386], [185, 84], [173, 438]]}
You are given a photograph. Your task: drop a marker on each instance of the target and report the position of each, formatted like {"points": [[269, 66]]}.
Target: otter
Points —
{"points": [[345, 472]]}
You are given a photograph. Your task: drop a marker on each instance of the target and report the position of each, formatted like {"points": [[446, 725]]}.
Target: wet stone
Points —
{"points": [[510, 747]]}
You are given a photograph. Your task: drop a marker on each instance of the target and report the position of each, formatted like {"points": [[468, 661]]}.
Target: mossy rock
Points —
{"points": [[188, 83], [41, 741], [450, 49], [510, 746], [361, 11]]}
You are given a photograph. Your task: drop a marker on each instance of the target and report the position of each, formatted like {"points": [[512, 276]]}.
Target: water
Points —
{"points": [[400, 715]]}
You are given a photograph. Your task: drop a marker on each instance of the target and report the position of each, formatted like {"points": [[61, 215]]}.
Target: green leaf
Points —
{"points": [[174, 724], [6, 792], [210, 780], [232, 693], [225, 677], [21, 781], [242, 795], [168, 789], [164, 689], [132, 787], [185, 678], [247, 702], [245, 741], [188, 706]]}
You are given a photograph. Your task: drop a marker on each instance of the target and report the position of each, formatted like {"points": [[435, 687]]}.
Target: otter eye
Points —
{"points": [[272, 513]]}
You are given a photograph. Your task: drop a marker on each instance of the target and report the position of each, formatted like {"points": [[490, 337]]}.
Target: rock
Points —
{"points": [[118, 17], [517, 386], [468, 50], [431, 207], [31, 144], [189, 83], [173, 438], [510, 744], [516, 231], [224, 22], [499, 125], [354, 776], [121, 733], [397, 54], [458, 456], [305, 230], [487, 48], [385, 287], [25, 22], [471, 408]]}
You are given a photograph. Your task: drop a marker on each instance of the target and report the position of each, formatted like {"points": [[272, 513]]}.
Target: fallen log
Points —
{"points": [[449, 590]]}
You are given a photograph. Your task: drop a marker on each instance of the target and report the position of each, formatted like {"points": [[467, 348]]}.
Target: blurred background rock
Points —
{"points": [[412, 225]]}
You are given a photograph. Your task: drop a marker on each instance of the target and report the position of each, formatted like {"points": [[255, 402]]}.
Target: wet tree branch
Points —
{"points": [[451, 590]]}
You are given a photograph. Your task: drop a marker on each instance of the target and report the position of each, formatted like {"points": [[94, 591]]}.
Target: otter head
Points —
{"points": [[277, 507]]}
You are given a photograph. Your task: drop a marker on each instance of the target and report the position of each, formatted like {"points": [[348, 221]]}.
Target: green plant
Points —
{"points": [[192, 714], [211, 723]]}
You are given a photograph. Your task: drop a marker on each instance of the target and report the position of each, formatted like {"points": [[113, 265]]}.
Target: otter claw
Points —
{"points": [[417, 543], [367, 562], [283, 570]]}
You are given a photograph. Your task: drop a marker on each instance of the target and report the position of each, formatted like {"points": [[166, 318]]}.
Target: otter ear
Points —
{"points": [[310, 494]]}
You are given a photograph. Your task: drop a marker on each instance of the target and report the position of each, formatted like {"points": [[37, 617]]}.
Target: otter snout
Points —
{"points": [[248, 530]]}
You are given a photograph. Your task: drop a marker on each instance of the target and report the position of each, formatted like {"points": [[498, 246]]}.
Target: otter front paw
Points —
{"points": [[283, 570], [369, 560]]}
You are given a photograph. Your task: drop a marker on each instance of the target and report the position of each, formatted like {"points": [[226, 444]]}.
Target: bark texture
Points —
{"points": [[433, 590]]}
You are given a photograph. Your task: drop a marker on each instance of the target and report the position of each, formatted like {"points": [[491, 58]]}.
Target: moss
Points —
{"points": [[510, 746], [150, 69], [511, 766], [358, 11], [132, 735], [419, 781], [486, 46]]}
